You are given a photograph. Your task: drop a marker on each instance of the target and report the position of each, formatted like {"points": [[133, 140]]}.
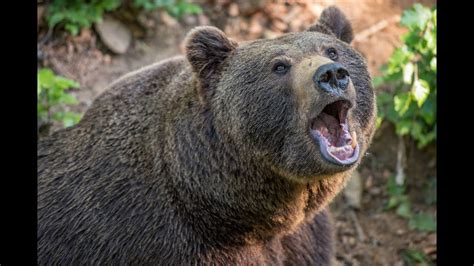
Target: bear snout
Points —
{"points": [[332, 78]]}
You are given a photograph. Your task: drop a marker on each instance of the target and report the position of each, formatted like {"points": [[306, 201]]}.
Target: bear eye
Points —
{"points": [[281, 68], [332, 54]]}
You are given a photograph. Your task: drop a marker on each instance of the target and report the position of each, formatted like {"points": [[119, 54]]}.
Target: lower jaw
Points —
{"points": [[323, 147]]}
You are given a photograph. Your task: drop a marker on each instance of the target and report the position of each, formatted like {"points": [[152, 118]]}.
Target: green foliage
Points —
{"points": [[430, 192], [399, 200], [413, 257], [423, 222], [78, 14], [52, 94], [176, 8], [411, 70]]}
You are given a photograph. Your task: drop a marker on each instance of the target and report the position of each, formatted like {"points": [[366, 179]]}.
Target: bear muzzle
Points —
{"points": [[325, 95], [332, 78]]}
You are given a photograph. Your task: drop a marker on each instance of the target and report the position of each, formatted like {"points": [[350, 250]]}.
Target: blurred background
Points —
{"points": [[387, 213]]}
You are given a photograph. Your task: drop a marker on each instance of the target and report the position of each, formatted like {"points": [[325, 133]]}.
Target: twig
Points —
{"points": [[400, 176], [360, 232], [45, 38], [363, 35]]}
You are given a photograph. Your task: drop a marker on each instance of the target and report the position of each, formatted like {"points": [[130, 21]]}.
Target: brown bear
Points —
{"points": [[227, 155]]}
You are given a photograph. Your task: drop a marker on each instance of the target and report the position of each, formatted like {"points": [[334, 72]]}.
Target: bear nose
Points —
{"points": [[332, 78]]}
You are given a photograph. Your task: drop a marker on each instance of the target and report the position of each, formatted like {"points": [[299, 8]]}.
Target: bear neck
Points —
{"points": [[227, 198]]}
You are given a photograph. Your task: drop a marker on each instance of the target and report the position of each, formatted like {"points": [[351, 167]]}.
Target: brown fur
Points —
{"points": [[203, 159]]}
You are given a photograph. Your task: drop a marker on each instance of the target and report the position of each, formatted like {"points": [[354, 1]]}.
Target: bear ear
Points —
{"points": [[206, 49], [333, 22]]}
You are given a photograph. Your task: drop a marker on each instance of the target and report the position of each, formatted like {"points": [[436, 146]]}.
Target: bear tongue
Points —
{"points": [[343, 136], [329, 127], [320, 126], [331, 123], [336, 133]]}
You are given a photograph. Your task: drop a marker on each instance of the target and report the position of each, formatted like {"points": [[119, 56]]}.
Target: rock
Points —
{"points": [[107, 59], [85, 36], [190, 20], [203, 20], [167, 19], [145, 21], [279, 26], [233, 10], [431, 239], [375, 191], [352, 241], [249, 7], [353, 191], [116, 36], [399, 263], [268, 34]]}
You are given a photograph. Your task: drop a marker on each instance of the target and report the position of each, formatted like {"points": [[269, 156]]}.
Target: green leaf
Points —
{"points": [[392, 203], [377, 81], [430, 192], [416, 17], [58, 116], [384, 98], [411, 40], [428, 110], [426, 139], [39, 88], [403, 127], [404, 209], [408, 71], [423, 222], [192, 9], [420, 91], [433, 64], [75, 15], [393, 188], [51, 93], [400, 57], [68, 99], [378, 122], [402, 102], [416, 130], [414, 258], [46, 78], [65, 83], [70, 119], [430, 40], [72, 28], [54, 19]]}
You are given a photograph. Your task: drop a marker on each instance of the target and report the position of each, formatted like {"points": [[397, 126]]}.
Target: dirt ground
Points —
{"points": [[367, 236]]}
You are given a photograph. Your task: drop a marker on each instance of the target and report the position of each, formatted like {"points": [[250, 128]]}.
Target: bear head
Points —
{"points": [[301, 105]]}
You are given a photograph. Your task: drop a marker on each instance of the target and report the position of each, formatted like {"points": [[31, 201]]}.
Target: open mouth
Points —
{"points": [[330, 128]]}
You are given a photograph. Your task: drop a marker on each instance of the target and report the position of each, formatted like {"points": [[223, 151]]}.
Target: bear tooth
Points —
{"points": [[354, 139]]}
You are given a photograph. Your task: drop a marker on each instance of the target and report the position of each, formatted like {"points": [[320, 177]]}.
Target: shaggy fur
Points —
{"points": [[202, 159]]}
